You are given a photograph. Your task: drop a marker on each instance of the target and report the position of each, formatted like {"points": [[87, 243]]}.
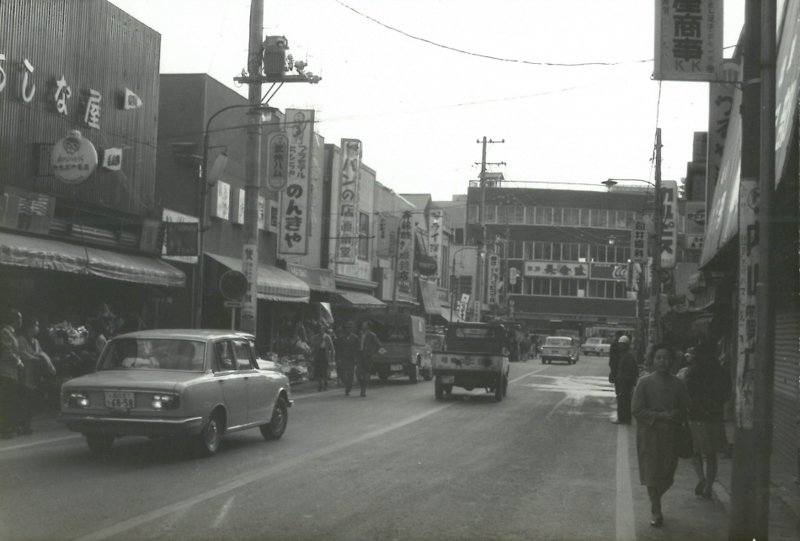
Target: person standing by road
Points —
{"points": [[346, 354], [37, 363], [613, 361], [324, 356], [660, 403], [525, 348], [368, 345], [10, 366], [627, 375]]}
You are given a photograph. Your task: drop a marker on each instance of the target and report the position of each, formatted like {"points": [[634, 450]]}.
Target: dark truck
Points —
{"points": [[403, 338], [474, 355]]}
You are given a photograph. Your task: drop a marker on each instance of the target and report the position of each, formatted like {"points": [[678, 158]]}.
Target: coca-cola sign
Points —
{"points": [[617, 272], [426, 265]]}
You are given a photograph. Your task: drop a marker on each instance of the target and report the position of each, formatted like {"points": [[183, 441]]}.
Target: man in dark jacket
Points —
{"points": [[347, 351], [627, 375], [368, 345], [613, 360]]}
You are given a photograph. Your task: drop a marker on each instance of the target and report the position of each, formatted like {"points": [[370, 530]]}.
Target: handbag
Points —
{"points": [[684, 445]]}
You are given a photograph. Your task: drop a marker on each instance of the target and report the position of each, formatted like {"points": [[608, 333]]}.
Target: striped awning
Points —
{"points": [[49, 254], [358, 300], [274, 284]]}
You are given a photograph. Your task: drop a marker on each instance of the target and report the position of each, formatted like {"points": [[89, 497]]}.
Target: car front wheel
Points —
{"points": [[277, 425]]}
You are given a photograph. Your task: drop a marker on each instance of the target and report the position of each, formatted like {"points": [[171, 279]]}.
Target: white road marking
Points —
{"points": [[560, 402], [224, 512], [526, 375], [251, 477], [625, 528], [35, 443]]}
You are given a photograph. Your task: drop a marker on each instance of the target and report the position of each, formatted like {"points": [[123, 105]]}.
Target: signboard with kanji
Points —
{"points": [[294, 217], [435, 240], [688, 40], [250, 271], [386, 244], [669, 228], [405, 256], [556, 269], [639, 242], [492, 295], [747, 321], [277, 173], [347, 243]]}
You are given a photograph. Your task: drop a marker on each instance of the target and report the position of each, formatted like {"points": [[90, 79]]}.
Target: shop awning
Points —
{"points": [[358, 300], [317, 279], [274, 284], [445, 314], [430, 297], [47, 254]]}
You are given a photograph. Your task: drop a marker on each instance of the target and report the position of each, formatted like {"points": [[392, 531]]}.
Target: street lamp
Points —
{"points": [[206, 181]]}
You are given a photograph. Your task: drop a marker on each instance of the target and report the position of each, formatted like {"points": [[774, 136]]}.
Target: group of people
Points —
{"points": [[348, 351], [661, 401], [529, 347]]}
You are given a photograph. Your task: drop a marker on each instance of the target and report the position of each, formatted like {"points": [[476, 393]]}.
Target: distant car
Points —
{"points": [[167, 383], [596, 346], [560, 348]]}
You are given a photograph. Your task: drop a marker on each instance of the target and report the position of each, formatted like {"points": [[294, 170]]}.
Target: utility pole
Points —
{"points": [[479, 274], [765, 306], [743, 500], [655, 295], [252, 169]]}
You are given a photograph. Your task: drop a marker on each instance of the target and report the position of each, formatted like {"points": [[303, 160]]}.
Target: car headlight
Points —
{"points": [[165, 402], [76, 399]]}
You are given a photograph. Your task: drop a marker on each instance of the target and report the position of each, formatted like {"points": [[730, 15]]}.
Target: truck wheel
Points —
{"points": [[448, 389], [438, 388], [414, 376], [427, 374], [383, 374], [505, 385], [498, 389]]}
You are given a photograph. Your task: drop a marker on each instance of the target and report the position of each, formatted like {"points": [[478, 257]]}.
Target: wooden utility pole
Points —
{"points": [[479, 271], [654, 333]]}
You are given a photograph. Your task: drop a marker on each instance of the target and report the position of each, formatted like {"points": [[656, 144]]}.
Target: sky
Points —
{"points": [[391, 78]]}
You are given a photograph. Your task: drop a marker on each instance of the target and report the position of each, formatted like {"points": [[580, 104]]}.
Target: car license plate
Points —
{"points": [[120, 401], [397, 367], [448, 379], [556, 352]]}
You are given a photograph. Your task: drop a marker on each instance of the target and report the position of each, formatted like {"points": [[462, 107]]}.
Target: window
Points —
{"points": [[557, 251], [538, 250], [529, 214], [539, 216], [593, 253], [527, 249], [472, 212], [515, 214], [602, 218], [585, 217], [243, 358], [629, 219], [583, 252], [622, 219], [620, 290], [226, 358], [555, 287], [527, 286], [548, 215], [491, 214], [459, 235], [558, 216], [515, 249], [363, 233], [572, 217], [547, 253]]}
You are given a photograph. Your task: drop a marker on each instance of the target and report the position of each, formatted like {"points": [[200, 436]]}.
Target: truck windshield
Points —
{"points": [[480, 333], [391, 332]]}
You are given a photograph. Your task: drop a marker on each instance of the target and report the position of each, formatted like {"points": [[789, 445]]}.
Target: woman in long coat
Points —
{"points": [[660, 402]]}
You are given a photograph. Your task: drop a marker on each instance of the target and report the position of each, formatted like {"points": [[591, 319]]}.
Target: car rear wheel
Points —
{"points": [[498, 389], [438, 388], [208, 440], [277, 425], [99, 443], [414, 376]]}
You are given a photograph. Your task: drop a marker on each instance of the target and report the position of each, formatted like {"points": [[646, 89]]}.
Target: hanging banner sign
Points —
{"points": [[748, 278], [277, 173], [73, 158], [492, 296], [347, 243], [720, 108], [639, 241], [294, 222], [250, 271], [405, 256], [688, 40], [170, 216], [386, 244], [435, 239], [669, 228]]}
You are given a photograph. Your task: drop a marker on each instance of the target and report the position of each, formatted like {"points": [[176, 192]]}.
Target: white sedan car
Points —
{"points": [[162, 383], [596, 346]]}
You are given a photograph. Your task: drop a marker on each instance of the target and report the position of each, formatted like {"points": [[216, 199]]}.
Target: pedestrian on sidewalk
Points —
{"points": [[368, 345], [613, 362], [660, 403], [708, 392], [37, 365], [10, 366], [627, 375], [346, 353], [324, 355]]}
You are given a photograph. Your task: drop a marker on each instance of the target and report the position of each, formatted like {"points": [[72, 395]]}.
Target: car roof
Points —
{"points": [[186, 334], [560, 337]]}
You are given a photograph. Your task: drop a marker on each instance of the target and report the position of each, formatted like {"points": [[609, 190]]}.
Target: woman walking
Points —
{"points": [[660, 402], [324, 354], [708, 392]]}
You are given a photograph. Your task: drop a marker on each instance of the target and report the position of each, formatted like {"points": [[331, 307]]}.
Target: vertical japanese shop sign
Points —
{"points": [[405, 255], [347, 245], [435, 240], [294, 217], [639, 241], [748, 277], [688, 40], [669, 220], [493, 275], [250, 270], [720, 108], [387, 236], [277, 171]]}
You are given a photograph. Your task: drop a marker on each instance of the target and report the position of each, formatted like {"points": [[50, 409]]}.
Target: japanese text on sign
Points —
{"points": [[669, 218], [688, 40], [347, 244], [494, 276], [294, 221], [435, 240], [250, 271], [639, 241], [405, 257]]}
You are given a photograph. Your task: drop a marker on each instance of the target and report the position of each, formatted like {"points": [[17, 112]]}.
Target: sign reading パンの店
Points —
{"points": [[688, 40], [294, 202], [347, 243]]}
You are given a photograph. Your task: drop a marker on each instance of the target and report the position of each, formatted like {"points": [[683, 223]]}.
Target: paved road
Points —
{"points": [[543, 464]]}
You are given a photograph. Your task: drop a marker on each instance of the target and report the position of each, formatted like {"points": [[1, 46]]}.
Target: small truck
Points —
{"points": [[474, 355]]}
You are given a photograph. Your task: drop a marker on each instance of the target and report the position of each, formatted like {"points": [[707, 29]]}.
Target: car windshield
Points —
{"points": [[558, 342], [157, 354]]}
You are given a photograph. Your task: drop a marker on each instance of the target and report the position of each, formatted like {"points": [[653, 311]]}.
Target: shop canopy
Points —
{"points": [[48, 254], [317, 279], [274, 284], [430, 297], [358, 300]]}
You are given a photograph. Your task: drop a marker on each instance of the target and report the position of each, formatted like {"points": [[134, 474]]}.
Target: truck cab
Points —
{"points": [[403, 338]]}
